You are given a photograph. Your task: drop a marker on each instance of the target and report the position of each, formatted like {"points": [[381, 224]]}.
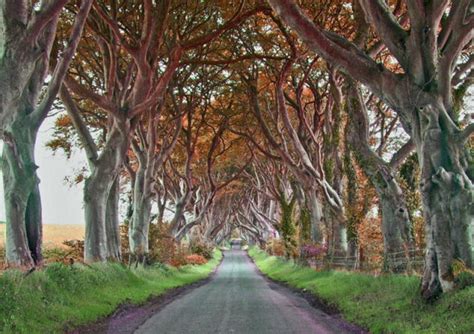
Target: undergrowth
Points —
{"points": [[62, 297], [383, 304]]}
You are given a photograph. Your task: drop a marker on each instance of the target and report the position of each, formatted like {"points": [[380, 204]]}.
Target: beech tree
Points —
{"points": [[134, 79], [396, 225], [427, 44], [27, 35], [151, 148]]}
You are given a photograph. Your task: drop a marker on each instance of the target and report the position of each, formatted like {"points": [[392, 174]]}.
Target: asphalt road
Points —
{"points": [[239, 300]]}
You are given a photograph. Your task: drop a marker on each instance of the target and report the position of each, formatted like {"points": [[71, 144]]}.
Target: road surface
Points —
{"points": [[239, 300]]}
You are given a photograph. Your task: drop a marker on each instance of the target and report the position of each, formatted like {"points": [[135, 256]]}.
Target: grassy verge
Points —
{"points": [[384, 304], [61, 296]]}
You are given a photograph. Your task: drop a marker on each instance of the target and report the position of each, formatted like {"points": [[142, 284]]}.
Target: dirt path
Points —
{"points": [[239, 300]]}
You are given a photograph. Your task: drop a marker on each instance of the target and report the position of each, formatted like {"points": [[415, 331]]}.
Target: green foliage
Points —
{"points": [[383, 304], [63, 297]]}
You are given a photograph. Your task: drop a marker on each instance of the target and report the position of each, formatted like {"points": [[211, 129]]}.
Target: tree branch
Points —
{"points": [[41, 19], [387, 27], [400, 156], [466, 133], [232, 23], [61, 68], [78, 89], [336, 49], [80, 126]]}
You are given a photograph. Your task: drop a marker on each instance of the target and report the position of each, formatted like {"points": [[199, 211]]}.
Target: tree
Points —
{"points": [[131, 80], [396, 225], [427, 46], [151, 148], [27, 38]]}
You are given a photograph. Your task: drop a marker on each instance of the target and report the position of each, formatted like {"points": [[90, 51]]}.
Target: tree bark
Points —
{"points": [[97, 189], [337, 235], [316, 215], [447, 194], [138, 232], [22, 200], [112, 224]]}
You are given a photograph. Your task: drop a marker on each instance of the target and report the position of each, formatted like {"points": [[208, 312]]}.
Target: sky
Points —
{"points": [[62, 203]]}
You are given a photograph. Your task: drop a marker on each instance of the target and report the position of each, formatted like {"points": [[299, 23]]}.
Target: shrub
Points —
{"points": [[275, 247], [162, 246], [55, 254], [195, 259], [2, 258], [464, 277], [313, 251], [201, 249]]}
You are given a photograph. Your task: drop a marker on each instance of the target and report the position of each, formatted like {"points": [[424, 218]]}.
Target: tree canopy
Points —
{"points": [[333, 127]]}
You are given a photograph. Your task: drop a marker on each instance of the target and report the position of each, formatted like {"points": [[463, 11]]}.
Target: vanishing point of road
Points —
{"points": [[239, 300]]}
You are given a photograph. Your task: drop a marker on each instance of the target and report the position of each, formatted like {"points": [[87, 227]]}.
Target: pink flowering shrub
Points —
{"points": [[313, 251]]}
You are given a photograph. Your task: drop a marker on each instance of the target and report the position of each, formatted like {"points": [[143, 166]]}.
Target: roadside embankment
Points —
{"points": [[382, 304]]}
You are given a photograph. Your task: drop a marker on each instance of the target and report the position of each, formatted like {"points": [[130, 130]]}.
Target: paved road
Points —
{"points": [[239, 300]]}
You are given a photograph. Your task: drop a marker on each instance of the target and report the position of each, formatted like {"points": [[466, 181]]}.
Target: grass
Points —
{"points": [[53, 235], [60, 296], [383, 304]]}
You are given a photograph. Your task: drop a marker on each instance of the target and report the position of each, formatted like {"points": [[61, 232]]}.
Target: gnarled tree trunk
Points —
{"points": [[97, 189], [27, 33], [447, 194], [22, 199]]}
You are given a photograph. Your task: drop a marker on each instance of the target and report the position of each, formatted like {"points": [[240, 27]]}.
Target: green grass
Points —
{"points": [[61, 296], [383, 304]]}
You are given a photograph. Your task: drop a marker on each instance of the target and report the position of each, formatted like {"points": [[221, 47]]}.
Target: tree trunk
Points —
{"points": [[112, 223], [396, 227], [337, 238], [287, 225], [447, 194], [22, 199], [96, 192], [178, 220], [316, 215], [139, 227]]}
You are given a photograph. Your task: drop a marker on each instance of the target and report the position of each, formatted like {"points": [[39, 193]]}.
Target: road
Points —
{"points": [[239, 300]]}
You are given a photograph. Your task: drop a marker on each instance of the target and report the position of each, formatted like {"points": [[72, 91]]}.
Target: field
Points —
{"points": [[53, 235]]}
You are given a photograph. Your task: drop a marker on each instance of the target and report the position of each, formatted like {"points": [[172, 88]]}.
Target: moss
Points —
{"points": [[287, 226]]}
